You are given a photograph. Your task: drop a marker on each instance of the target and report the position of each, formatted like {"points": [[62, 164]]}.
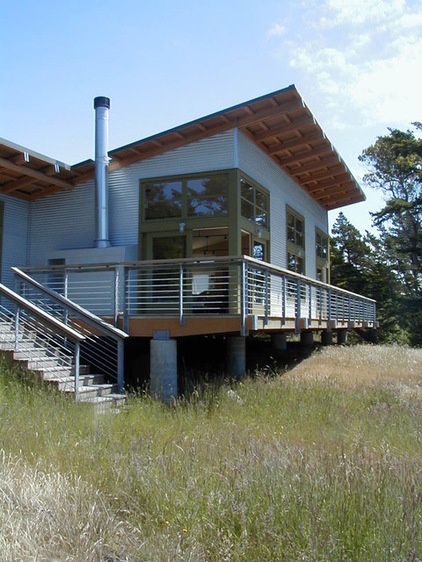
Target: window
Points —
{"points": [[207, 196], [321, 251], [295, 242], [254, 203], [162, 199], [190, 196]]}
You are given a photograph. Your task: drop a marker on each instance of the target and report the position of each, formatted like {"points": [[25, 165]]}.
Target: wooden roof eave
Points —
{"points": [[280, 124]]}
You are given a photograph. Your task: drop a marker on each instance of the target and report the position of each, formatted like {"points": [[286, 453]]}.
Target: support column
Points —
{"points": [[236, 357], [163, 368], [327, 338], [341, 336], [279, 342], [307, 339]]}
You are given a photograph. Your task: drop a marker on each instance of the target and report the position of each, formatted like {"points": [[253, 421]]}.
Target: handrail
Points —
{"points": [[90, 318], [237, 285], [195, 261], [45, 318], [105, 357], [48, 323]]}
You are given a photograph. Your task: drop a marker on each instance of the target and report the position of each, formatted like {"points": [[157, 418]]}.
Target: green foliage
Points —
{"points": [[388, 268], [395, 167], [361, 264], [278, 468]]}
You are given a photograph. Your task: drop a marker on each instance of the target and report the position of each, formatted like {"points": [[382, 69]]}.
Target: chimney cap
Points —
{"points": [[101, 101]]}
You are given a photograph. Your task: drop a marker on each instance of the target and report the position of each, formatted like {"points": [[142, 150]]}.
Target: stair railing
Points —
{"points": [[103, 346], [28, 330]]}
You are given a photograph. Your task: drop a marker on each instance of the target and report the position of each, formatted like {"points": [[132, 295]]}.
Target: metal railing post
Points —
{"points": [[17, 316], [243, 297], [329, 311], [284, 299], [181, 310], [66, 283], [116, 294], [120, 365], [267, 294], [77, 360], [126, 299], [298, 306]]}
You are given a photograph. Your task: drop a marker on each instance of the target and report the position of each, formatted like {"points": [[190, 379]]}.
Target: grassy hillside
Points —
{"points": [[323, 462]]}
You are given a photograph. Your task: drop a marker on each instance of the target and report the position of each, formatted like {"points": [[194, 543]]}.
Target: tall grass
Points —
{"points": [[322, 463]]}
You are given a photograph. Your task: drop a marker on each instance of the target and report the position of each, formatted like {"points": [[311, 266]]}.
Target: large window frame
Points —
{"points": [[177, 197], [254, 203], [295, 236], [322, 256]]}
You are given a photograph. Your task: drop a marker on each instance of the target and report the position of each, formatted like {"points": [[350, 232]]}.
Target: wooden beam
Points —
{"points": [[294, 143], [26, 171], [312, 166], [327, 183], [306, 121], [225, 122], [17, 184], [311, 153], [328, 172]]}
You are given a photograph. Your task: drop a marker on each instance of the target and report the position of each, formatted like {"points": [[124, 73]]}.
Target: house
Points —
{"points": [[219, 225]]}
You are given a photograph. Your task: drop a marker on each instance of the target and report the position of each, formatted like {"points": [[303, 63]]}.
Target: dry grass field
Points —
{"points": [[322, 462]]}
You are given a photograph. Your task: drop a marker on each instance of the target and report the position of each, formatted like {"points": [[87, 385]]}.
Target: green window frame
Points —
{"points": [[295, 234], [321, 255], [181, 197], [254, 203]]}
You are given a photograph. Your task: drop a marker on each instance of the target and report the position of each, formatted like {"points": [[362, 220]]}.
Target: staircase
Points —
{"points": [[82, 357]]}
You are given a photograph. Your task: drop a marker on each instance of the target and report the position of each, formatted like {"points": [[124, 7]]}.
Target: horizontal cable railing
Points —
{"points": [[38, 338], [103, 345], [240, 286]]}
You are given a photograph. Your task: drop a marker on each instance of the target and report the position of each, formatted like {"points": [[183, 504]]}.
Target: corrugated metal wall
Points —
{"points": [[283, 191], [67, 220], [15, 236], [62, 221]]}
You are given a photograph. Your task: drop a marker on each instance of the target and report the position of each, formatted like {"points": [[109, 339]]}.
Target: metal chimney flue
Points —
{"points": [[101, 106]]}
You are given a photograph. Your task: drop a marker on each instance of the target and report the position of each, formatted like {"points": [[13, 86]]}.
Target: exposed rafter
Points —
{"points": [[280, 124]]}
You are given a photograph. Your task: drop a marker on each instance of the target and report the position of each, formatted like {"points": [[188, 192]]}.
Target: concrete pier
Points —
{"points": [[341, 336], [236, 357], [327, 338], [307, 339], [163, 369], [279, 342]]}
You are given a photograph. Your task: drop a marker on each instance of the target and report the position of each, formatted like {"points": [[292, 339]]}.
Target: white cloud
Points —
{"points": [[276, 30], [358, 12], [375, 70]]}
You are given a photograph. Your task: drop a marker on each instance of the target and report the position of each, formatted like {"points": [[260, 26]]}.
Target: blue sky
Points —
{"points": [[357, 64]]}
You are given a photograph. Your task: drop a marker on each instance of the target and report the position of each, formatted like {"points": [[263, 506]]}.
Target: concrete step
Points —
{"points": [[55, 371], [91, 391], [62, 382], [42, 363], [104, 404]]}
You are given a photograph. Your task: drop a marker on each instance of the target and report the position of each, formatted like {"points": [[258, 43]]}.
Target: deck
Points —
{"points": [[185, 297]]}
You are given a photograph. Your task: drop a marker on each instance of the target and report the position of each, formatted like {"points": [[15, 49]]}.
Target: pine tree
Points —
{"points": [[395, 167]]}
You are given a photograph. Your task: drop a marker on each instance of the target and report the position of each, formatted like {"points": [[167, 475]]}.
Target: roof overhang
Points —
{"points": [[283, 127], [280, 124], [29, 175]]}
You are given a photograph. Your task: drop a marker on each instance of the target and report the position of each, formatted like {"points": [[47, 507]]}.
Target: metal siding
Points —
{"points": [[62, 221], [15, 236], [283, 191], [214, 153], [66, 220]]}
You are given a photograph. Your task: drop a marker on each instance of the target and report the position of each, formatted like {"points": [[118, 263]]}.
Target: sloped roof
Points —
{"points": [[28, 175], [279, 123]]}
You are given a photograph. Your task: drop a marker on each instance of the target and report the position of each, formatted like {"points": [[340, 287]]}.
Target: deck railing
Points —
{"points": [[103, 345], [41, 339], [239, 286]]}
